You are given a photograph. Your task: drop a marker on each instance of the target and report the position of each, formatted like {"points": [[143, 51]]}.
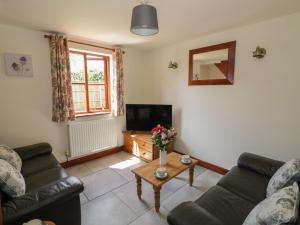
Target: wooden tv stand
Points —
{"points": [[140, 144]]}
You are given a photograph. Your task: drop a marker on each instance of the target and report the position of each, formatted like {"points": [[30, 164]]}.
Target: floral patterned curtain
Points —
{"points": [[118, 84], [62, 102]]}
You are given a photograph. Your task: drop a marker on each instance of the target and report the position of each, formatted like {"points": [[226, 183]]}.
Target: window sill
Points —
{"points": [[92, 114]]}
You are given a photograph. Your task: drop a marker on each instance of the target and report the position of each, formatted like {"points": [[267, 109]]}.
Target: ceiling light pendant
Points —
{"points": [[144, 20]]}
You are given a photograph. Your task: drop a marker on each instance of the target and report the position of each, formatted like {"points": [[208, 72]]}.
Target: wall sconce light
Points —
{"points": [[173, 65], [259, 52]]}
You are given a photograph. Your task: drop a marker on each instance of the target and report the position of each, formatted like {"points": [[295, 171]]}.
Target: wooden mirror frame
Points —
{"points": [[231, 62]]}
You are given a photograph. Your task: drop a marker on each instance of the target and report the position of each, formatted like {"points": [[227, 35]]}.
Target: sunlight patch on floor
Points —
{"points": [[125, 164]]}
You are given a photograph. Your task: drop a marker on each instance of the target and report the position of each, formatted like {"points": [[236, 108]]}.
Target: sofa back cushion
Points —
{"points": [[228, 207], [259, 164], [246, 184], [284, 176], [10, 156], [11, 180]]}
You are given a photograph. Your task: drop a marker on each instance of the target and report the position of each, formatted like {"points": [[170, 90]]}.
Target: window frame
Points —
{"points": [[106, 60]]}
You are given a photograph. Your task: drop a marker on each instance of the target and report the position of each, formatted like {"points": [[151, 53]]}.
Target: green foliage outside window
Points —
{"points": [[94, 76], [77, 76]]}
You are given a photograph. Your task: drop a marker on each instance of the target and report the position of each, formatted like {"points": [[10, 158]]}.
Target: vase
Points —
{"points": [[162, 157]]}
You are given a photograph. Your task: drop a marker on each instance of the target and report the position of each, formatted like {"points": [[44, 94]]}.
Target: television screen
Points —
{"points": [[145, 117]]}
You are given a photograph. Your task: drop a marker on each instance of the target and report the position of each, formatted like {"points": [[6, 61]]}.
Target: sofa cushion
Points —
{"points": [[10, 156], [284, 176], [45, 177], [279, 208], [39, 163], [11, 180], [190, 213], [246, 184], [225, 206]]}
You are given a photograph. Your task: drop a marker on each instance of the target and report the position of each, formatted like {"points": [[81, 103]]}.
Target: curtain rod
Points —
{"points": [[81, 43]]}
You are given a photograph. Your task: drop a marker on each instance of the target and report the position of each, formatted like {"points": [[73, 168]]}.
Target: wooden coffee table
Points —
{"points": [[174, 167]]}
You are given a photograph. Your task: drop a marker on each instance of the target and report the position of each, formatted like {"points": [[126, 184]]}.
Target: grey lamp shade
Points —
{"points": [[144, 20]]}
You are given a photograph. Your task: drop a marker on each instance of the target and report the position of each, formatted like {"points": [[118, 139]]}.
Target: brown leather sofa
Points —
{"points": [[51, 193], [233, 198]]}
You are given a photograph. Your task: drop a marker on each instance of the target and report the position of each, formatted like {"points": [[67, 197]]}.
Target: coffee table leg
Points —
{"points": [[139, 186], [192, 175], [157, 197]]}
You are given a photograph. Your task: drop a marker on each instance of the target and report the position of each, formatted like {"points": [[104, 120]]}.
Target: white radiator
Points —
{"points": [[92, 136]]}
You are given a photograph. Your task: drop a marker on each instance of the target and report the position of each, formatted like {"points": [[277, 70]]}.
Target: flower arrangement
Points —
{"points": [[163, 137]]}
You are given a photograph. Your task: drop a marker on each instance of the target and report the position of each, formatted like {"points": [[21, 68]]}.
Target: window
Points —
{"points": [[90, 82]]}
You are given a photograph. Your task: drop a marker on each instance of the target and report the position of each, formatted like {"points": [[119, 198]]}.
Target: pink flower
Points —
{"points": [[158, 129], [163, 135]]}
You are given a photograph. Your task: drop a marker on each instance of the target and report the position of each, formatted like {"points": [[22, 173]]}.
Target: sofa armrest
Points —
{"points": [[259, 164], [46, 196], [30, 151], [189, 213]]}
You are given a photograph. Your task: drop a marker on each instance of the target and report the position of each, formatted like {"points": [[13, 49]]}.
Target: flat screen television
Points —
{"points": [[140, 117]]}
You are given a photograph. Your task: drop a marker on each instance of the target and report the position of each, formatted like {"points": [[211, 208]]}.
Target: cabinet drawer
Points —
{"points": [[146, 155], [144, 145]]}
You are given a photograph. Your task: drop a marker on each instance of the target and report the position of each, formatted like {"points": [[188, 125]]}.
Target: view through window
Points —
{"points": [[90, 82]]}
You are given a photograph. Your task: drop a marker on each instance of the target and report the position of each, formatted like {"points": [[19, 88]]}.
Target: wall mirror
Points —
{"points": [[212, 65]]}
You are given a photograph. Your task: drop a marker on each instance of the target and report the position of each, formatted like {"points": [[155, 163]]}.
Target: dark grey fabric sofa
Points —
{"points": [[232, 199], [51, 193]]}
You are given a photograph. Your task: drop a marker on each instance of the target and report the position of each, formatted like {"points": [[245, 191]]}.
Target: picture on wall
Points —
{"points": [[18, 64]]}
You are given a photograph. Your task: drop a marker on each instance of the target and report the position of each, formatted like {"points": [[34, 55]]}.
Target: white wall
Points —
{"points": [[260, 113], [25, 103]]}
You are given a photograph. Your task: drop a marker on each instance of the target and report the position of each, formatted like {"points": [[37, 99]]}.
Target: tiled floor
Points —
{"points": [[110, 192]]}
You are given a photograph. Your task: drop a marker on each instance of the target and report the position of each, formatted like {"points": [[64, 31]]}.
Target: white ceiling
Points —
{"points": [[108, 21]]}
